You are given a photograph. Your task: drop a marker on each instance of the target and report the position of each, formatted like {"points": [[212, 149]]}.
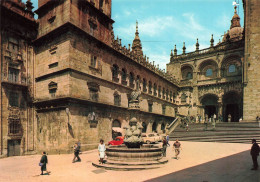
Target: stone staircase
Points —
{"points": [[223, 132]]}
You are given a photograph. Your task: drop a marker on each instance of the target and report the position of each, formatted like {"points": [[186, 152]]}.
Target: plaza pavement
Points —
{"points": [[199, 162]]}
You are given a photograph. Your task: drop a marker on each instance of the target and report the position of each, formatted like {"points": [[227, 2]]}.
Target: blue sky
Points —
{"points": [[164, 23]]}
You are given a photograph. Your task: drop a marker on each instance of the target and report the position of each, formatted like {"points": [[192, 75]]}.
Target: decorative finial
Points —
{"points": [[235, 9], [136, 26], [197, 45], [175, 50], [212, 41], [171, 53], [183, 48]]}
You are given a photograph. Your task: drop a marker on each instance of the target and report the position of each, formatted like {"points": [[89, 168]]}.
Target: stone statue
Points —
{"points": [[134, 99], [134, 96]]}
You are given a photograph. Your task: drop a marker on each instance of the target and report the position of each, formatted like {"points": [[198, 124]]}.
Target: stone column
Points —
{"points": [[149, 127], [220, 108]]}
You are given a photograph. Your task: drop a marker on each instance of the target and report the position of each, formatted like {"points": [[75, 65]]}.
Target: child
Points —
{"points": [[101, 151]]}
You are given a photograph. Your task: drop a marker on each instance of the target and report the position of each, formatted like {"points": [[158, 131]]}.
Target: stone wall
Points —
{"points": [[251, 106]]}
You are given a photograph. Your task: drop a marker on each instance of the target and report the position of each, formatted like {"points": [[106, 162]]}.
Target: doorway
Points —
{"points": [[210, 103], [233, 110], [210, 110], [14, 147], [232, 106]]}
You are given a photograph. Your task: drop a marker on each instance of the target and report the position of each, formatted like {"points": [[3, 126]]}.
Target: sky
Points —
{"points": [[164, 23]]}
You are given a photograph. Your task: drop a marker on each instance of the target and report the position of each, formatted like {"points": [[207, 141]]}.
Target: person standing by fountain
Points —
{"points": [[164, 142], [101, 151], [177, 147]]}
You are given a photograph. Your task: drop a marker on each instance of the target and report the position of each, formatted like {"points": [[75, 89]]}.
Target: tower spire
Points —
{"points": [[137, 46], [235, 22]]}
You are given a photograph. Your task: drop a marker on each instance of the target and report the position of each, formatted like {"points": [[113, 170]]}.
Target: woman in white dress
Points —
{"points": [[101, 151]]}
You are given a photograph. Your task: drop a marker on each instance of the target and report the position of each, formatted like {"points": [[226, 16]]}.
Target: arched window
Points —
{"points": [[144, 85], [115, 71], [232, 68], [155, 89], [209, 72], [150, 87], [189, 76], [167, 94], [116, 123], [123, 74], [171, 96], [159, 92], [163, 93], [137, 82], [131, 79]]}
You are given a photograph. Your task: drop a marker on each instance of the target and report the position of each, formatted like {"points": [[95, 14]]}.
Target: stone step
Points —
{"points": [[136, 163], [189, 134], [246, 141], [125, 167], [195, 128], [218, 137]]}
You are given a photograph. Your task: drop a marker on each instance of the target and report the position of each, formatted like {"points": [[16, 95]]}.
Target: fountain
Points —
{"points": [[133, 154]]}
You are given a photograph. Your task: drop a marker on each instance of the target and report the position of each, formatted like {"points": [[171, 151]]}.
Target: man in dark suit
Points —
{"points": [[254, 153], [43, 162], [76, 153]]}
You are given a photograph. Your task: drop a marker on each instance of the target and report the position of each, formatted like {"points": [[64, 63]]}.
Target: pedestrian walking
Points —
{"points": [[206, 122], [43, 163], [101, 151], [254, 153], [168, 139], [215, 118], [164, 142], [177, 147], [187, 127], [76, 148]]}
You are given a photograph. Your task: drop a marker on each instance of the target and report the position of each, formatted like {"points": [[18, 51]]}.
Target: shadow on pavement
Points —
{"points": [[234, 168]]}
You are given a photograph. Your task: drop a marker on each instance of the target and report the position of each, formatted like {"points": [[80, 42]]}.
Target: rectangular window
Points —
{"points": [[14, 126], [93, 95], [117, 100], [13, 75], [13, 45], [150, 107], [93, 61], [92, 29], [163, 109], [53, 65], [13, 99]]}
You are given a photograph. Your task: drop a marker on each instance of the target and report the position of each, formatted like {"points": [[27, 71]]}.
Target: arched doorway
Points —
{"points": [[144, 127], [163, 127], [210, 104], [116, 129], [232, 106], [154, 127]]}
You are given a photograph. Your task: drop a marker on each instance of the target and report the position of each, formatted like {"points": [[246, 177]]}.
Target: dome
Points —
{"points": [[234, 34], [236, 31]]}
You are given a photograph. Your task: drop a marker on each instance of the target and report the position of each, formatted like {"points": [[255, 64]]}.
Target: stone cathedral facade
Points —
{"points": [[66, 78]]}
